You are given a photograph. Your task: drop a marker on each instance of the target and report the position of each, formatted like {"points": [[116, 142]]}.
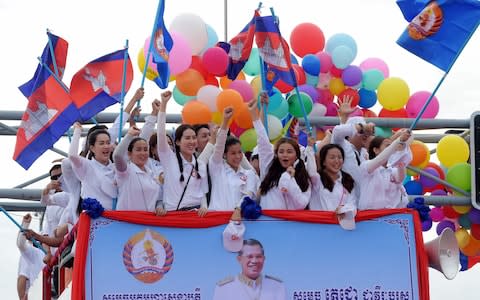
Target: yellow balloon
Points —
{"points": [[256, 84], [217, 117], [463, 237], [393, 93], [452, 149], [462, 209], [151, 74], [336, 86]]}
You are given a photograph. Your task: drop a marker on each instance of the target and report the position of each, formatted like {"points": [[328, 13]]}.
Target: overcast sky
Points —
{"points": [[95, 28]]}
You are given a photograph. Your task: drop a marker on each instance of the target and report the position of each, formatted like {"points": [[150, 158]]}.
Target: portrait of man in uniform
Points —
{"points": [[250, 283]]}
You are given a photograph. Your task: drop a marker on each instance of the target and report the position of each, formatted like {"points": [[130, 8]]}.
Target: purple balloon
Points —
{"points": [[444, 224], [474, 215], [438, 193], [352, 75], [436, 214], [427, 182], [311, 91], [426, 225]]}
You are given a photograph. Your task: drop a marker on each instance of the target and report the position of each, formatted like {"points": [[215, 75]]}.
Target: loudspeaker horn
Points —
{"points": [[443, 254]]}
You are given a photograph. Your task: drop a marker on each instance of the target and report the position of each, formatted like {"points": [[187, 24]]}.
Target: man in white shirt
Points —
{"points": [[250, 283]]}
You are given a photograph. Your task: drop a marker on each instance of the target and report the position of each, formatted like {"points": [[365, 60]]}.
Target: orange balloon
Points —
{"points": [[189, 82], [420, 153], [231, 98], [225, 82], [243, 118], [196, 112], [472, 248]]}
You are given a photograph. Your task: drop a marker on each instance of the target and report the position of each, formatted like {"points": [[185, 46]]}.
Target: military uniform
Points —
{"points": [[242, 288]]}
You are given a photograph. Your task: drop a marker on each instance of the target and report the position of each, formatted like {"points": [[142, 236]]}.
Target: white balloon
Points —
{"points": [[193, 29], [274, 127], [208, 94], [318, 110]]}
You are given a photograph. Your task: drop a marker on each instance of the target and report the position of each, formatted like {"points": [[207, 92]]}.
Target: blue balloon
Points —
{"points": [[342, 56], [367, 98], [414, 188], [341, 39], [275, 100], [212, 38], [311, 64]]}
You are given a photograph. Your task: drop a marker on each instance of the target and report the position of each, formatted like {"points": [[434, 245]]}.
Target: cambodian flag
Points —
{"points": [[50, 112], [274, 51], [162, 43], [438, 30], [60, 48], [240, 48], [99, 84]]}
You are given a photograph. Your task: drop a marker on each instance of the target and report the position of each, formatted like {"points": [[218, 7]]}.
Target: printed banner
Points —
{"points": [[300, 260]]}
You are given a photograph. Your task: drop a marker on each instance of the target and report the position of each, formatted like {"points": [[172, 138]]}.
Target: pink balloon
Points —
{"points": [[244, 88], [181, 54], [215, 61], [375, 63], [325, 61], [416, 103], [436, 214], [332, 110]]}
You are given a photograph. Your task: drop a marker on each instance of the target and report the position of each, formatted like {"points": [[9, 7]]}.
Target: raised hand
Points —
{"points": [[139, 93], [133, 131], [227, 116], [252, 108]]}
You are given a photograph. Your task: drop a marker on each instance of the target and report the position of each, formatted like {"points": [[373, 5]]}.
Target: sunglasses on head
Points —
{"points": [[55, 177], [364, 132]]}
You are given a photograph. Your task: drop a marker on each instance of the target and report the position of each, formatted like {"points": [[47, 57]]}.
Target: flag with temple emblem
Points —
{"points": [[50, 112], [99, 84], [275, 53], [438, 30], [161, 45], [60, 49], [240, 48]]}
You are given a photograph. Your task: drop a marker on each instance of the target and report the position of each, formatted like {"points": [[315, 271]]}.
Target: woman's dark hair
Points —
{"points": [[132, 143], [197, 127], [86, 149], [152, 143], [230, 142], [178, 136], [92, 138], [375, 143], [328, 183], [276, 170]]}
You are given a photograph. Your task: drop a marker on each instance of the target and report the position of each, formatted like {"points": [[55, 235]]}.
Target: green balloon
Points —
{"points": [[294, 106], [372, 79], [248, 139], [459, 175], [280, 111], [252, 67], [383, 132], [180, 98]]}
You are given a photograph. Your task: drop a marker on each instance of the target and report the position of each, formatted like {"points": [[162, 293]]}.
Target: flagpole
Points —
{"points": [[424, 108], [52, 53], [225, 20], [122, 94], [302, 106], [264, 84], [65, 88], [150, 46], [34, 241]]}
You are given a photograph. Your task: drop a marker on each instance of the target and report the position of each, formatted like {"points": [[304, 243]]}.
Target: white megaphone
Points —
{"points": [[443, 254]]}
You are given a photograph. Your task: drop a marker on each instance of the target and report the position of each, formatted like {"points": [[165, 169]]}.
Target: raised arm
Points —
{"points": [[120, 152], [382, 158], [217, 156], [265, 148], [21, 239], [115, 128], [207, 151], [162, 143], [75, 159], [149, 127]]}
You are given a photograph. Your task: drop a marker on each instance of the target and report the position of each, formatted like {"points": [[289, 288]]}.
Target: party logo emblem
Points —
{"points": [[148, 256], [427, 22]]}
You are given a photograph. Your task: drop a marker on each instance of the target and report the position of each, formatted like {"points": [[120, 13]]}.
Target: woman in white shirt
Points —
{"points": [[333, 188], [137, 186], [381, 185], [285, 183], [230, 180], [185, 182], [96, 175]]}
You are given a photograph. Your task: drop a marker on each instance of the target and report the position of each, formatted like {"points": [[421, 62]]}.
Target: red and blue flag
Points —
{"points": [[438, 30], [161, 45], [240, 48], [275, 53], [50, 112], [60, 48], [99, 84]]}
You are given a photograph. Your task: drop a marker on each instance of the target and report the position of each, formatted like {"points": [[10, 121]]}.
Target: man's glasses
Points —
{"points": [[55, 177]]}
